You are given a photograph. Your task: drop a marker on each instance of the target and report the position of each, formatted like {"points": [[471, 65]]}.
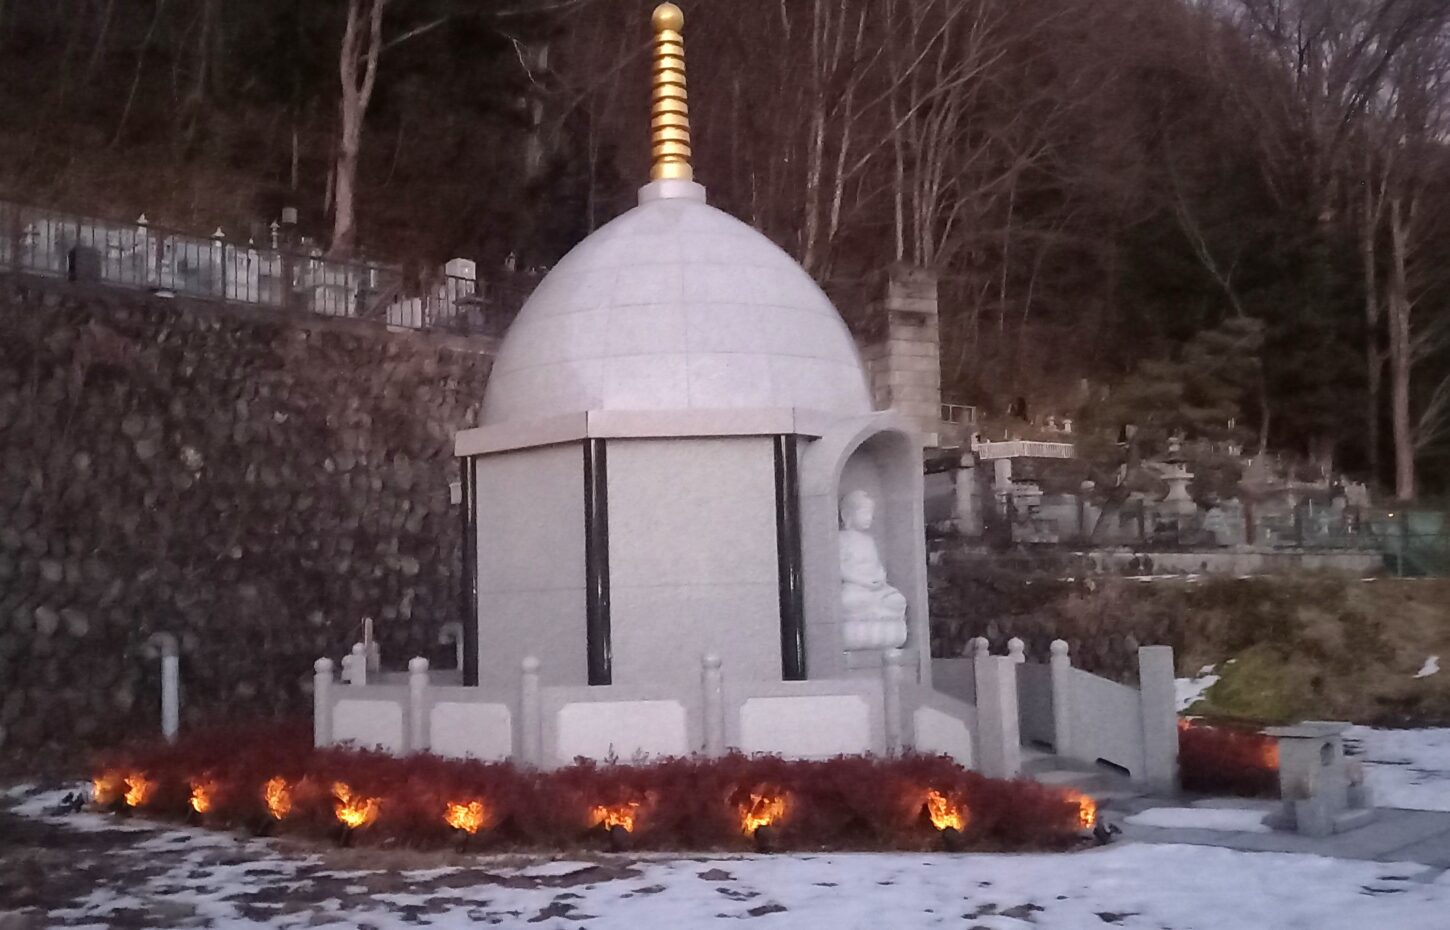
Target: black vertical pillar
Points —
{"points": [[468, 585], [596, 563], [788, 556]]}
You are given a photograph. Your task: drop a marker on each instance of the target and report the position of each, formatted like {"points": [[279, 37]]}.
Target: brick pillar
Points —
{"points": [[902, 348]]}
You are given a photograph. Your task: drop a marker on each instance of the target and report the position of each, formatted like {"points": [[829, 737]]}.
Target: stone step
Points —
{"points": [[1041, 762], [1108, 788]]}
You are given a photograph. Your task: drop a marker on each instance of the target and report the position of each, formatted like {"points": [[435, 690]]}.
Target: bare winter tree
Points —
{"points": [[1315, 109], [362, 46], [1417, 105]]}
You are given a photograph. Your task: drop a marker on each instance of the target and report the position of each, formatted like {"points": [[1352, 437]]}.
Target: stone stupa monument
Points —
{"points": [[688, 530]]}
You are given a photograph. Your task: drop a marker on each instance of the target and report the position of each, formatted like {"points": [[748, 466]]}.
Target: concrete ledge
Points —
{"points": [[640, 424]]}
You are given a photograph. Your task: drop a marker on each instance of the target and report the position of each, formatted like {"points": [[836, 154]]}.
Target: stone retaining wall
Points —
{"points": [[252, 484]]}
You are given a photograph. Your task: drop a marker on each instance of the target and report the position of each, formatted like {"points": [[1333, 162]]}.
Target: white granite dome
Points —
{"points": [[675, 306]]}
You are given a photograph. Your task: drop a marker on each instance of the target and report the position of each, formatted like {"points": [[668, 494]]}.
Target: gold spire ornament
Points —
{"points": [[670, 110]]}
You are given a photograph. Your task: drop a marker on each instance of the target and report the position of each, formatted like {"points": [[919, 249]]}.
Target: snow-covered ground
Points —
{"points": [[163, 876], [1406, 768]]}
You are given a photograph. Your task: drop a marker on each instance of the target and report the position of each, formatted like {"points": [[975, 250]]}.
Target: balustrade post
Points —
{"points": [[418, 704], [891, 675], [1061, 671], [322, 702], [531, 715], [1159, 704], [712, 707]]}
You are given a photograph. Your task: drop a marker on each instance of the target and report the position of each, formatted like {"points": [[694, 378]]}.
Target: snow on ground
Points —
{"points": [[191, 877], [1189, 690], [1233, 820], [1431, 666], [1406, 768]]}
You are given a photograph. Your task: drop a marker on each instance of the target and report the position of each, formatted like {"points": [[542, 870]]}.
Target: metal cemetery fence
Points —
{"points": [[170, 263]]}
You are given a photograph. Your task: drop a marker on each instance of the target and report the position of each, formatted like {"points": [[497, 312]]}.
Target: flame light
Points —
{"points": [[353, 810], [468, 817], [616, 815], [138, 789], [278, 796], [761, 810], [106, 788], [1087, 810], [203, 794], [945, 814]]}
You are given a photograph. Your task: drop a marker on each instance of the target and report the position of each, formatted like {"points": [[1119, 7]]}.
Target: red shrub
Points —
{"points": [[850, 802], [1221, 759]]}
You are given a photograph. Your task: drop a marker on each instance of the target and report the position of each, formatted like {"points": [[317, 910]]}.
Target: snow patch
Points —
{"points": [[1189, 690], [550, 869], [1231, 820], [1431, 666], [1406, 768]]}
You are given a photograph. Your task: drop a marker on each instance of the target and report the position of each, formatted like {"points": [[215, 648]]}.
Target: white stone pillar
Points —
{"points": [[356, 669], [452, 632], [170, 685], [999, 738], [891, 673], [1061, 671], [968, 497], [418, 704], [531, 716], [1160, 718], [1017, 650], [712, 706], [322, 702]]}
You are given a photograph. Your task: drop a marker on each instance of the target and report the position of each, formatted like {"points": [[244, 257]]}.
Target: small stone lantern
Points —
{"points": [[1323, 792]]}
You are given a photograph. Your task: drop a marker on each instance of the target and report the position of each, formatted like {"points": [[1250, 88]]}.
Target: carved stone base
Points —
{"points": [[873, 634]]}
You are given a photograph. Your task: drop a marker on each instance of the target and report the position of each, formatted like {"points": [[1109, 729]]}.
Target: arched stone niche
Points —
{"points": [[882, 456]]}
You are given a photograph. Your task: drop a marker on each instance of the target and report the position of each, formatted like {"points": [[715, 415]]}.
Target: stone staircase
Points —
{"points": [[1109, 787]]}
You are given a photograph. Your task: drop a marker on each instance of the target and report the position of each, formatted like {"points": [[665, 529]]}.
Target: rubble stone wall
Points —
{"points": [[252, 484]]}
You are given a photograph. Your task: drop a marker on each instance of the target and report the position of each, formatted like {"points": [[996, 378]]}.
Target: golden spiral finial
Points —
{"points": [[670, 112]]}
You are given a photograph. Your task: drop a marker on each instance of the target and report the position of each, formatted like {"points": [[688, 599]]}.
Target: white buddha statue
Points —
{"points": [[874, 613]]}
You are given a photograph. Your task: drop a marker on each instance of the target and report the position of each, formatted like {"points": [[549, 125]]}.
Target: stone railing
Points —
{"points": [[551, 725], [141, 255], [1077, 714], [1023, 448]]}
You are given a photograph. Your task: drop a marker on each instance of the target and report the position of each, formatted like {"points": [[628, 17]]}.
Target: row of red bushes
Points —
{"points": [[688, 803], [1227, 759]]}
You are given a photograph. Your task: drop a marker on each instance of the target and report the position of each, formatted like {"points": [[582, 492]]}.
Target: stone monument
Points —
{"points": [[874, 613], [686, 528]]}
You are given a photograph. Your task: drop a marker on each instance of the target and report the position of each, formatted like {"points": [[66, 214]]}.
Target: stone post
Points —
{"points": [[531, 715], [356, 668], [418, 704], [1160, 718], [1061, 670], [968, 497], [322, 702], [891, 699], [1017, 650], [999, 738], [170, 685], [902, 350], [712, 705], [452, 632]]}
